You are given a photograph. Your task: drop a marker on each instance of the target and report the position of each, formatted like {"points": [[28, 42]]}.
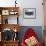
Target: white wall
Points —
{"points": [[39, 13], [7, 3], [27, 4]]}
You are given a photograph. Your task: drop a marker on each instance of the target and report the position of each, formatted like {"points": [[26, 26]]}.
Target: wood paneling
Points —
{"points": [[45, 13], [45, 22]]}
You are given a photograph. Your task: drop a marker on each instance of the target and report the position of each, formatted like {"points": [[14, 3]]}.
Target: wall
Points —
{"points": [[28, 22], [39, 13], [27, 4]]}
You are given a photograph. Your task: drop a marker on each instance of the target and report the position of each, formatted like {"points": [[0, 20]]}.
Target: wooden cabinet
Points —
{"points": [[10, 43], [9, 20]]}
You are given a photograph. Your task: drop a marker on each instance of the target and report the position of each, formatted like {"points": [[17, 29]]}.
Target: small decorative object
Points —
{"points": [[7, 34], [13, 12], [15, 34], [29, 13], [6, 21], [15, 30], [15, 3], [5, 12]]}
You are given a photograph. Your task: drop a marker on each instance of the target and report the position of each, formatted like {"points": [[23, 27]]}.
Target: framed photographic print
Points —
{"points": [[29, 13], [5, 12], [13, 12]]}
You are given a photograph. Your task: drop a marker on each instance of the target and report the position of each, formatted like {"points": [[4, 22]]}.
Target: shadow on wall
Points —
{"points": [[37, 29]]}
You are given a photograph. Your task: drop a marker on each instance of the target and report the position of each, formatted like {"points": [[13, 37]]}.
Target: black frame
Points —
{"points": [[29, 17]]}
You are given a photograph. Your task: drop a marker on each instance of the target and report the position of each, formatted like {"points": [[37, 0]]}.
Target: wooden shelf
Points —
{"points": [[10, 9], [4, 25], [11, 26], [9, 43], [3, 8], [12, 42]]}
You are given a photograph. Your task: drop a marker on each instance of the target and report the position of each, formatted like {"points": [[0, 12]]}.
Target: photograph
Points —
{"points": [[29, 13]]}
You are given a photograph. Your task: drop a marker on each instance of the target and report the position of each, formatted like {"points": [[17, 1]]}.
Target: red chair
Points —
{"points": [[29, 33]]}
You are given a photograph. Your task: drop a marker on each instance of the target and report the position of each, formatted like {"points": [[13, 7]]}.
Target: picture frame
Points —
{"points": [[5, 12], [13, 12], [29, 13]]}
